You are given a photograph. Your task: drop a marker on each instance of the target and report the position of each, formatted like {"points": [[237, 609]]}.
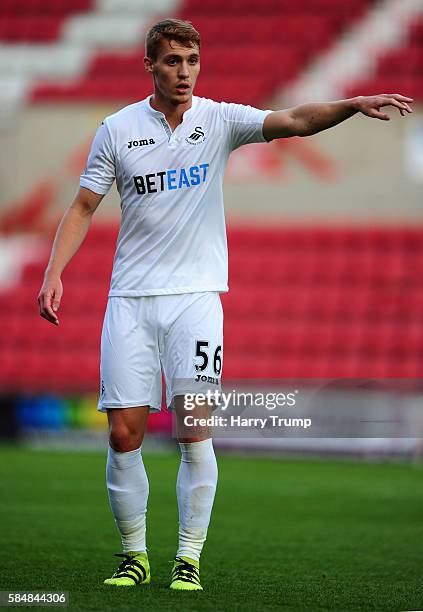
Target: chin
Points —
{"points": [[181, 98]]}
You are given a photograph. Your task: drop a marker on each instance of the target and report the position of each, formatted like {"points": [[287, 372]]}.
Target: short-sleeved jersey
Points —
{"points": [[172, 236]]}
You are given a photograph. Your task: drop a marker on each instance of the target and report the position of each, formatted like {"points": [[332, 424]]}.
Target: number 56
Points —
{"points": [[217, 359]]}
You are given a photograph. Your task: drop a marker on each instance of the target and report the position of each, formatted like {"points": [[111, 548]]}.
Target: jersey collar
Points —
{"points": [[156, 113]]}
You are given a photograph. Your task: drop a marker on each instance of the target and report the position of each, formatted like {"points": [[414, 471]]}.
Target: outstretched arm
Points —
{"points": [[69, 237], [309, 119]]}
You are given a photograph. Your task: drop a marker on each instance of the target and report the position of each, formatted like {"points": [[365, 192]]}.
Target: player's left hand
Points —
{"points": [[371, 105]]}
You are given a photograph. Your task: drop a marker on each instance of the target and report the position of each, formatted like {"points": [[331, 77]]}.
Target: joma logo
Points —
{"points": [[204, 378], [141, 143]]}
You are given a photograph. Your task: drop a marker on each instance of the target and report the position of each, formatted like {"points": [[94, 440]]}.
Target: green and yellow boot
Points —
{"points": [[186, 575], [134, 570]]}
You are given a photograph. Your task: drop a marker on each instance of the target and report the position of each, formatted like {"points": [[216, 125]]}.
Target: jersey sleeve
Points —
{"points": [[243, 123], [99, 173]]}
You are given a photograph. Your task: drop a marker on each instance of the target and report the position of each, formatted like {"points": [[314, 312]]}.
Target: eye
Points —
{"points": [[193, 60], [171, 62]]}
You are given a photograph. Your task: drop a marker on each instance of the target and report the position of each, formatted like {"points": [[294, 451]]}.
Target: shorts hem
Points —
{"points": [[152, 407]]}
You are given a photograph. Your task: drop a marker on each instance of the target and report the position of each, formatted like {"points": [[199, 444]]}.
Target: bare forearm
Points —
{"points": [[315, 117], [69, 236], [308, 119]]}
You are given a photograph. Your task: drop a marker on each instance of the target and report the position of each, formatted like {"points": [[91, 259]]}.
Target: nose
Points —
{"points": [[183, 70]]}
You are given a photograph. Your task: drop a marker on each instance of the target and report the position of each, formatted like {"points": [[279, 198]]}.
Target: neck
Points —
{"points": [[172, 112]]}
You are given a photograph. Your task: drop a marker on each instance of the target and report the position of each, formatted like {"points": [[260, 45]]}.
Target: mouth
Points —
{"points": [[182, 88]]}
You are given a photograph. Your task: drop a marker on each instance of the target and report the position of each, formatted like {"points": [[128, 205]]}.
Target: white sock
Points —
{"points": [[195, 489], [127, 486]]}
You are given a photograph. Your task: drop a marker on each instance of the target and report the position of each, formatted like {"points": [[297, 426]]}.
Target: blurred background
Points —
{"points": [[325, 233], [326, 297]]}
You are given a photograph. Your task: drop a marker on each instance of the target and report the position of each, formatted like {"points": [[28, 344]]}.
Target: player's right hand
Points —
{"points": [[49, 299]]}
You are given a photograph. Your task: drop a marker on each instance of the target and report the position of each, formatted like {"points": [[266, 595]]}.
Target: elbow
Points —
{"points": [[83, 208], [86, 202]]}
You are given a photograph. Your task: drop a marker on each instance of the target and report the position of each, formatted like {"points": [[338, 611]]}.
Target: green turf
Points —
{"points": [[285, 535]]}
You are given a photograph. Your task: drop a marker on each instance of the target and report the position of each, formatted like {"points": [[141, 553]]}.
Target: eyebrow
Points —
{"points": [[177, 56]]}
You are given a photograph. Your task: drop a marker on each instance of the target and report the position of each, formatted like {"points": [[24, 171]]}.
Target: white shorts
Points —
{"points": [[179, 334]]}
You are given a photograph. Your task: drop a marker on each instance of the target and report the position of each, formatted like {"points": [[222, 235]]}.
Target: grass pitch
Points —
{"points": [[285, 535]]}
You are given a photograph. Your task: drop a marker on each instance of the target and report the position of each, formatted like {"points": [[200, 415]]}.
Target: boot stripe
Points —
{"points": [[139, 575]]}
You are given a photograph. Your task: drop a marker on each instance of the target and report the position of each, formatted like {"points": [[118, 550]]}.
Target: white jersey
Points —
{"points": [[172, 237]]}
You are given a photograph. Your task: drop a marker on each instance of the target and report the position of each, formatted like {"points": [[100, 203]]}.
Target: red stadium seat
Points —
{"points": [[336, 303], [280, 35], [399, 69]]}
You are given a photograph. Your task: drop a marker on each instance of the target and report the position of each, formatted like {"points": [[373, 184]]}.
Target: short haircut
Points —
{"points": [[182, 32]]}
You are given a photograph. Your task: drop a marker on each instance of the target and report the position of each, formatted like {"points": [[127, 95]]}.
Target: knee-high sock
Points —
{"points": [[195, 489], [127, 486]]}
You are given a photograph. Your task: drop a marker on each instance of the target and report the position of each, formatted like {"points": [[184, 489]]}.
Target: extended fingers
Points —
{"points": [[400, 97], [394, 102], [401, 102]]}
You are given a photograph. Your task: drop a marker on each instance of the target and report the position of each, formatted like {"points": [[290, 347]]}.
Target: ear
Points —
{"points": [[148, 64]]}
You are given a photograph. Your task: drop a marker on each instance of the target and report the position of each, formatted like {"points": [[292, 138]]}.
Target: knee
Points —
{"points": [[124, 439]]}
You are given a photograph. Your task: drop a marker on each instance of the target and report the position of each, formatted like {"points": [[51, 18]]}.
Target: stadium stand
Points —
{"points": [[303, 302], [34, 21], [354, 56], [97, 47], [398, 69], [56, 40], [336, 303], [255, 42]]}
